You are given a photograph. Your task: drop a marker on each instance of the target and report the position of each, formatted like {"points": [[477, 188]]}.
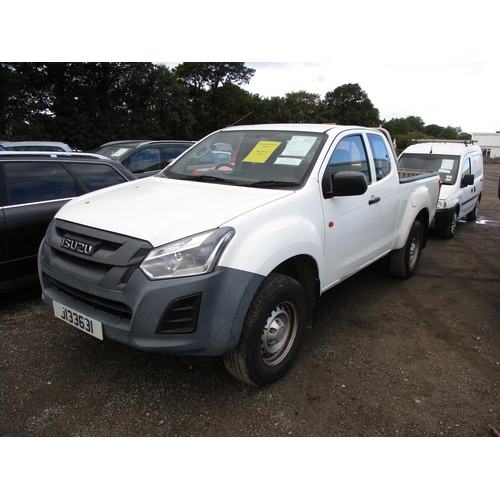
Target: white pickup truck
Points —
{"points": [[231, 259]]}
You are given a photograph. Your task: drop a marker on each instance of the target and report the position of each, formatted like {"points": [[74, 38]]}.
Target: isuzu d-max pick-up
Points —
{"points": [[230, 259]]}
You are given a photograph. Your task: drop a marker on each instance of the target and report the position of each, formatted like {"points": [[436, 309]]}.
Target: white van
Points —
{"points": [[460, 166]]}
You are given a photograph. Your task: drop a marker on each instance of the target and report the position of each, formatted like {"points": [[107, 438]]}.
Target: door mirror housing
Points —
{"points": [[468, 180], [344, 184]]}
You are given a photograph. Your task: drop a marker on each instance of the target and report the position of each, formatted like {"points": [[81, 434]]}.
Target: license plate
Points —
{"points": [[78, 320]]}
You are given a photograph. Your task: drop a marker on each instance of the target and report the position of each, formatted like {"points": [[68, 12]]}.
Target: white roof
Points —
{"points": [[61, 145], [445, 148], [318, 128]]}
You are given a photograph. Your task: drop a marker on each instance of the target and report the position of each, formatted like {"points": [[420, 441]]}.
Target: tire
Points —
{"points": [[472, 216], [449, 231], [272, 332], [404, 262]]}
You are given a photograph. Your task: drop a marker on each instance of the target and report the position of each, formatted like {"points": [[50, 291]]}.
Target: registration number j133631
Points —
{"points": [[78, 320]]}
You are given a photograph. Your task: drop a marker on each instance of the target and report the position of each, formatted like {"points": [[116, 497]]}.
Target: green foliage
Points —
{"points": [[406, 130], [350, 105], [304, 107], [86, 104], [212, 75]]}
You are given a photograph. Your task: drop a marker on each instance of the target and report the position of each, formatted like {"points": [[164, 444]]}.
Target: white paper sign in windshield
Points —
{"points": [[446, 168], [119, 152], [295, 151], [298, 146]]}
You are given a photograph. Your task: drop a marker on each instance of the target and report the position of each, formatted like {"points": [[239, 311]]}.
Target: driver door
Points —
{"points": [[351, 222]]}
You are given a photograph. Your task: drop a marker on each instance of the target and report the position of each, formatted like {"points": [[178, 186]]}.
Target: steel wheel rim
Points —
{"points": [[414, 250], [453, 226], [278, 334]]}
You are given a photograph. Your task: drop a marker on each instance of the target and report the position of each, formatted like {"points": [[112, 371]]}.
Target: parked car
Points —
{"points": [[460, 166], [36, 146], [33, 186], [239, 270], [144, 158]]}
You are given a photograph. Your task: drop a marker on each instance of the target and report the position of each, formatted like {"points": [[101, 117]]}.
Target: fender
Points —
{"points": [[273, 233], [419, 200]]}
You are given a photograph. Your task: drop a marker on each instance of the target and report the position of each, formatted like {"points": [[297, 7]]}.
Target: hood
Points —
{"points": [[448, 191], [162, 210]]}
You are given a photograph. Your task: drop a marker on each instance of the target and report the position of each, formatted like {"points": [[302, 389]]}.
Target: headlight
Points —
{"points": [[442, 204], [197, 254]]}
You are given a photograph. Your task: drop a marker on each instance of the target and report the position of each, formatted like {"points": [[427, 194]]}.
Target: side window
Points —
{"points": [[172, 152], [147, 159], [32, 182], [96, 176], [466, 170], [380, 156], [350, 155]]}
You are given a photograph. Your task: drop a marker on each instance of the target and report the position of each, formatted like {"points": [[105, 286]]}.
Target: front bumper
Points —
{"points": [[442, 218], [192, 316]]}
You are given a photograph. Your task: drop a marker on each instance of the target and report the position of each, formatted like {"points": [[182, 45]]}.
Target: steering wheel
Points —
{"points": [[230, 165]]}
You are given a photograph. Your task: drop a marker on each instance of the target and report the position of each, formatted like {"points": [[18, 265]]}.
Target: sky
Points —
{"points": [[459, 94], [436, 59]]}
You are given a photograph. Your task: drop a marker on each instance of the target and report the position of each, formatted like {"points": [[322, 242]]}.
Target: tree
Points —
{"points": [[24, 100], [210, 76], [303, 107], [415, 124], [269, 110], [214, 96], [350, 105], [86, 104]]}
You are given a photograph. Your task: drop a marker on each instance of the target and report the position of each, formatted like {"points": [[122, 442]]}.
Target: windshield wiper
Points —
{"points": [[275, 184], [210, 178]]}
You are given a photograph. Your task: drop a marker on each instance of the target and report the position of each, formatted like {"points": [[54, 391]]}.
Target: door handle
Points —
{"points": [[373, 200]]}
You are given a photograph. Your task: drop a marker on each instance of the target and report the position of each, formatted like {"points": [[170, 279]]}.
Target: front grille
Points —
{"points": [[114, 259], [112, 307]]}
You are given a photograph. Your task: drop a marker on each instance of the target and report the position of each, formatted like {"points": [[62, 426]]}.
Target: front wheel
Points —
{"points": [[449, 231], [472, 216], [272, 332], [403, 262]]}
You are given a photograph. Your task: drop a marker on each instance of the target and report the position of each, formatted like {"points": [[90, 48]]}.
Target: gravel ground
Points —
{"points": [[388, 357]]}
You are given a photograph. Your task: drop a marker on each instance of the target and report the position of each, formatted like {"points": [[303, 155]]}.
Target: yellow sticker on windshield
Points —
{"points": [[262, 151]]}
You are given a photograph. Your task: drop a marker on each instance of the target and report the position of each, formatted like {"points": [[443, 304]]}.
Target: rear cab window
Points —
{"points": [[381, 156]]}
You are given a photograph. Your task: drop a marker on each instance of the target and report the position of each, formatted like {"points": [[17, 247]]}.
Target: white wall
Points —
{"points": [[488, 141]]}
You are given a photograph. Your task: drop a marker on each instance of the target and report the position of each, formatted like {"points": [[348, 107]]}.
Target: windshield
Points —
{"points": [[256, 158], [446, 165], [114, 152]]}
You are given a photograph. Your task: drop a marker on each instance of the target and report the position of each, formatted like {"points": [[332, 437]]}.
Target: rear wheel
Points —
{"points": [[449, 231], [472, 216], [404, 262], [272, 332]]}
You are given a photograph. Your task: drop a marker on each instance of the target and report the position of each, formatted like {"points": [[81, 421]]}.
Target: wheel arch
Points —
{"points": [[423, 218], [304, 270]]}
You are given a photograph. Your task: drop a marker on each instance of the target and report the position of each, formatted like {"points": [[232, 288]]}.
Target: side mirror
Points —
{"points": [[349, 184], [468, 180], [344, 184]]}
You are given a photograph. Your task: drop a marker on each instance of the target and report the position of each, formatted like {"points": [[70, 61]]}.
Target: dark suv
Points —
{"points": [[144, 158], [33, 186]]}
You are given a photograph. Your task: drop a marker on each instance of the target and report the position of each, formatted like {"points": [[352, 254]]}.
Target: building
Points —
{"points": [[488, 142]]}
